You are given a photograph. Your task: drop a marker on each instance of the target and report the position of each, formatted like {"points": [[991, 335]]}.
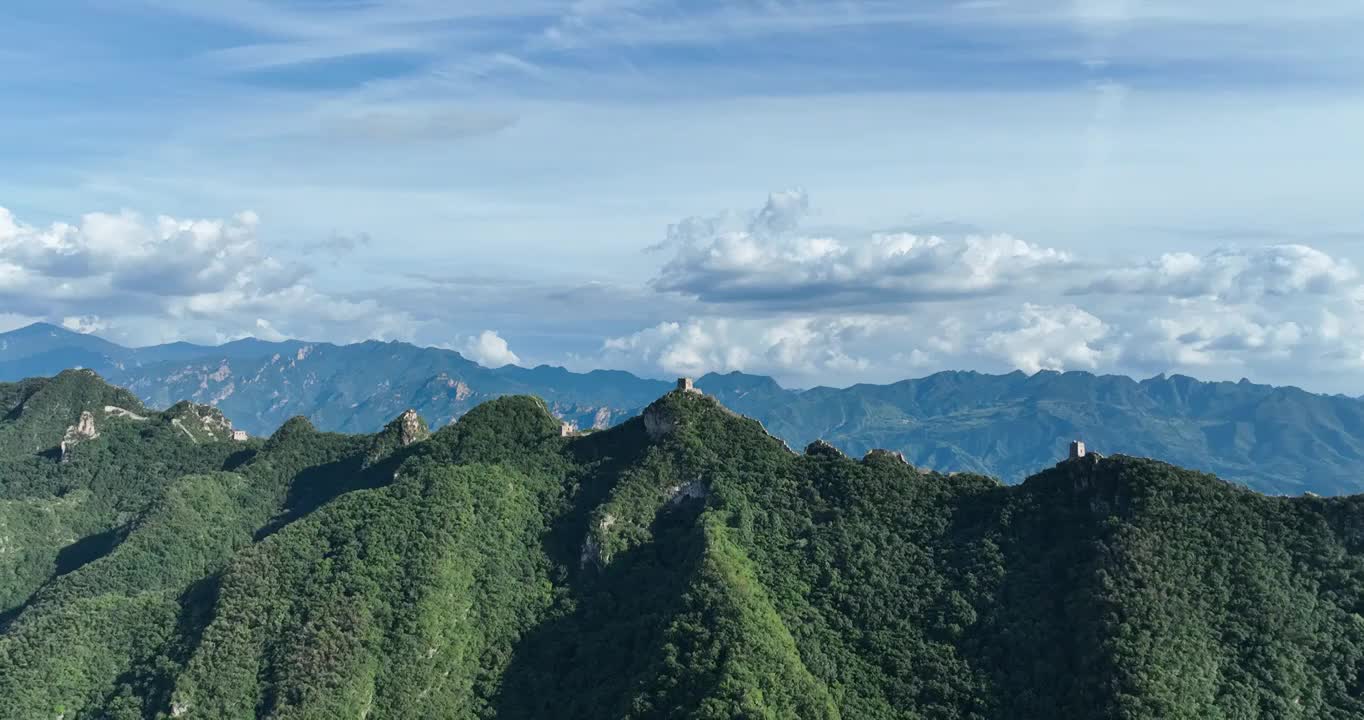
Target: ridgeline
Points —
{"points": [[681, 564], [1278, 440]]}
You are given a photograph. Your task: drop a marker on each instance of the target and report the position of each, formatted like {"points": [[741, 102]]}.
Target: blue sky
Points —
{"points": [[490, 177]]}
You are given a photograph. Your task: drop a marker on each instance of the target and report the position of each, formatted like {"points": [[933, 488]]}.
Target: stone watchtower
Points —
{"points": [[685, 385], [1077, 449]]}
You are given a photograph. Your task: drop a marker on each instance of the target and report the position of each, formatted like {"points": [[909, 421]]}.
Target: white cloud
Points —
{"points": [[805, 346], [1201, 333], [1049, 338], [266, 331], [1235, 275], [489, 350], [768, 262], [165, 279], [839, 348], [810, 308], [125, 254], [1281, 313], [84, 324]]}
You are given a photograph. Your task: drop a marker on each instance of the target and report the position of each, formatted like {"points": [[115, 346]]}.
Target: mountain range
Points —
{"points": [[1279, 440], [683, 563]]}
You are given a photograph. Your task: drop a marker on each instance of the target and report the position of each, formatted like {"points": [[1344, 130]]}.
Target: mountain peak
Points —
{"points": [[409, 427], [42, 329]]}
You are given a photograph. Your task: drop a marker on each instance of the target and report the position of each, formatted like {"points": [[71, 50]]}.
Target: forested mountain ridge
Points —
{"points": [[78, 460], [1279, 440], [683, 563]]}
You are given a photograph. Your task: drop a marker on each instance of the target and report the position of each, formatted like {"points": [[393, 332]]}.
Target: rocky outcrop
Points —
{"points": [[592, 548], [116, 411], [659, 422], [411, 428], [821, 448], [677, 494], [83, 430], [200, 422], [884, 454]]}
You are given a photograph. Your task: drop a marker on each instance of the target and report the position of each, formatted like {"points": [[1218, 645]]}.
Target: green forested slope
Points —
{"points": [[56, 513], [684, 564]]}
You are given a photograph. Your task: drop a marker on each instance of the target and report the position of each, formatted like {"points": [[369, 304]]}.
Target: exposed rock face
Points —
{"points": [[202, 423], [602, 419], [591, 552], [686, 491], [658, 423], [202, 419], [116, 411], [592, 549], [411, 428], [83, 430], [820, 447], [85, 427], [885, 454]]}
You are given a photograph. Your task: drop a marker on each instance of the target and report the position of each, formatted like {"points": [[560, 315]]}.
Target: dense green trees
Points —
{"points": [[683, 564]]}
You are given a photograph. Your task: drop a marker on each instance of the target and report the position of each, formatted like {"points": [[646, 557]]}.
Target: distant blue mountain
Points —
{"points": [[1274, 439]]}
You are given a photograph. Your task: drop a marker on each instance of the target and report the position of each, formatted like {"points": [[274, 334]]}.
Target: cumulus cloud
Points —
{"points": [[1201, 333], [768, 296], [265, 330], [1048, 338], [1284, 343], [832, 348], [151, 280], [108, 255], [790, 345], [753, 292], [1235, 275], [767, 261], [84, 324], [1285, 313], [489, 350]]}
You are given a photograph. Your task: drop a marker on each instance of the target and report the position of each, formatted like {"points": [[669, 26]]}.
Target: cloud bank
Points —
{"points": [[769, 297], [168, 278], [752, 291], [768, 261]]}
